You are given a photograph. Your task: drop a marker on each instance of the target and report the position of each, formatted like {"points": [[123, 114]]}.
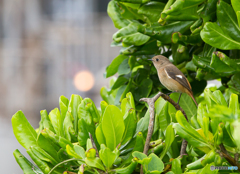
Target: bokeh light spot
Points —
{"points": [[83, 81]]}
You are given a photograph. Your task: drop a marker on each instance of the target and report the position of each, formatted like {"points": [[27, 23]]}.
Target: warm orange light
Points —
{"points": [[83, 81]]}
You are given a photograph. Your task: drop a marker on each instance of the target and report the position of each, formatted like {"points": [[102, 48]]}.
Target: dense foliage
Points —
{"points": [[62, 142], [201, 37]]}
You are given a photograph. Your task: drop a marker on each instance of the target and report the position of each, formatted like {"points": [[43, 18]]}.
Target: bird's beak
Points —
{"points": [[150, 59]]}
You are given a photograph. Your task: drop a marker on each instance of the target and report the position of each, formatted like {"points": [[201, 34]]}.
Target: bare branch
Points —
{"points": [[151, 102], [228, 157]]}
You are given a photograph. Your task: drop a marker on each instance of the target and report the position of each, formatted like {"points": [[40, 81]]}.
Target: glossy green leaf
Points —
{"points": [[176, 165], [99, 135], [156, 165], [68, 125], [127, 170], [25, 164], [113, 67], [63, 104], [113, 11], [187, 132], [186, 103], [108, 98], [45, 120], [170, 135], [23, 131], [121, 80], [41, 164], [228, 20], [107, 156], [56, 120], [162, 118], [73, 108], [124, 67], [143, 90], [221, 40], [113, 126], [152, 10], [95, 162], [48, 146], [233, 103], [130, 122], [72, 153]]}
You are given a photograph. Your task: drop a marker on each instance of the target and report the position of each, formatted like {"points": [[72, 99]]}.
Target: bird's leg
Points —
{"points": [[170, 93], [179, 98]]}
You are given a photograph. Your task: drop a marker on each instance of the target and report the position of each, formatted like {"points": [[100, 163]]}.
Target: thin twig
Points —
{"points": [[228, 157], [151, 102], [93, 144]]}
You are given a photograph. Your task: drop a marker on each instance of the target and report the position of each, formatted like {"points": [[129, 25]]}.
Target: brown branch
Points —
{"points": [[93, 144], [236, 157], [228, 157], [151, 102]]}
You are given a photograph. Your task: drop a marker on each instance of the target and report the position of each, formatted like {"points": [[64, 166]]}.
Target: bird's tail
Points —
{"points": [[191, 95]]}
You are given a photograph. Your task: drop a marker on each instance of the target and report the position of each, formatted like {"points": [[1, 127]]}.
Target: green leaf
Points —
{"points": [[221, 39], [187, 132], [234, 83], [56, 120], [186, 103], [168, 140], [25, 164], [113, 126], [48, 146], [63, 103], [68, 126], [233, 103], [124, 67], [127, 103], [108, 98], [176, 165], [156, 164], [72, 153], [41, 164], [113, 67], [152, 10], [23, 131], [99, 135], [143, 90], [121, 80], [162, 118], [113, 11], [83, 132], [95, 162], [107, 156], [130, 122], [127, 170], [73, 108], [228, 20], [45, 120]]}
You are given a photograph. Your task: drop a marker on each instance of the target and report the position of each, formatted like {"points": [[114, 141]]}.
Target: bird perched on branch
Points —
{"points": [[171, 77]]}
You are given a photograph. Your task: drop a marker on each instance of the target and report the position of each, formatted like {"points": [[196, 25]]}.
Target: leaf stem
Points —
{"points": [[65, 161]]}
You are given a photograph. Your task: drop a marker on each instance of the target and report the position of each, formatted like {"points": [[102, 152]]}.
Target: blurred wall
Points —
{"points": [[43, 45]]}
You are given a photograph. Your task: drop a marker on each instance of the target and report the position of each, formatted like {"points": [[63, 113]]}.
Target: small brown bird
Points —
{"points": [[171, 77]]}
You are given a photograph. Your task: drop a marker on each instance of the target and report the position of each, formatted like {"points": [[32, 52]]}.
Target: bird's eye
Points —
{"points": [[157, 60]]}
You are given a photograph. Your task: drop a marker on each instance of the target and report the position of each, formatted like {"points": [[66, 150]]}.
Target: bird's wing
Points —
{"points": [[174, 73]]}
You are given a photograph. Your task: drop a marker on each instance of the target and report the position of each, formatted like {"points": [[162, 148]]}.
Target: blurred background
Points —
{"points": [[49, 48]]}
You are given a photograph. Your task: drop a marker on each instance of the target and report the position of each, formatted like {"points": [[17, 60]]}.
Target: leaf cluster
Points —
{"points": [[81, 138], [201, 37]]}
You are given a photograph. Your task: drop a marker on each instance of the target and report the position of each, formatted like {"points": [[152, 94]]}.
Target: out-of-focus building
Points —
{"points": [[43, 45]]}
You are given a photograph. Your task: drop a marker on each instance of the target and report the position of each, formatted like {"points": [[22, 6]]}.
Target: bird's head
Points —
{"points": [[160, 61]]}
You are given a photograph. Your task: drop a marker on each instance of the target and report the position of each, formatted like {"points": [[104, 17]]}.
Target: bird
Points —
{"points": [[171, 77]]}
